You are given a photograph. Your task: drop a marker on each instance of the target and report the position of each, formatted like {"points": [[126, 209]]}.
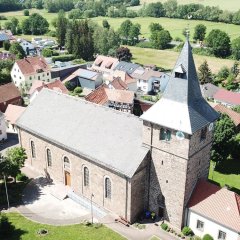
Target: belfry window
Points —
{"points": [[203, 134], [165, 134], [180, 72]]}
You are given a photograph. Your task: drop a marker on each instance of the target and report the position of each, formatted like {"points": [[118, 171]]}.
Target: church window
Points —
{"points": [[66, 162], [108, 188], [33, 150], [85, 176], [203, 134], [49, 158], [165, 134]]}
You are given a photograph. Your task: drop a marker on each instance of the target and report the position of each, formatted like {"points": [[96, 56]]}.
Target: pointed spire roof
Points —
{"points": [[182, 106]]}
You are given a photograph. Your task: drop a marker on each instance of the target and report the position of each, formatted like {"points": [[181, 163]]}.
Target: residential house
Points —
{"points": [[227, 98], [150, 81], [127, 67], [12, 113], [128, 163], [125, 77], [9, 94], [121, 100], [28, 47], [26, 70], [5, 35], [117, 83], [214, 210], [3, 130], [37, 86], [85, 78], [104, 65], [208, 90], [235, 117], [7, 56]]}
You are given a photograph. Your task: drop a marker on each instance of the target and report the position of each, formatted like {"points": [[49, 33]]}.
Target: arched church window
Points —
{"points": [[85, 176], [108, 188], [33, 149], [49, 158], [66, 162]]}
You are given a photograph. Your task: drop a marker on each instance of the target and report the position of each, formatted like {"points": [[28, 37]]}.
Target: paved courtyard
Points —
{"points": [[43, 203], [12, 141]]}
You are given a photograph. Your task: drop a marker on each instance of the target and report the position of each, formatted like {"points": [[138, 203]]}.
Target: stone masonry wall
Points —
{"points": [[118, 201]]}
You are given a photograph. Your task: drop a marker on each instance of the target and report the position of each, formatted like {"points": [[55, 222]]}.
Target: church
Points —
{"points": [[130, 164]]}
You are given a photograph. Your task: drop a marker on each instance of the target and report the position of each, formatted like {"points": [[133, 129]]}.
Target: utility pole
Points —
{"points": [[92, 207]]}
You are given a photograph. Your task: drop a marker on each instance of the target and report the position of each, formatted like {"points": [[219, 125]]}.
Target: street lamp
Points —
{"points": [[1, 161], [92, 195]]}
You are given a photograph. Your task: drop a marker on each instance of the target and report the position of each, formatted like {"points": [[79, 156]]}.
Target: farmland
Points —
{"points": [[230, 5], [167, 58]]}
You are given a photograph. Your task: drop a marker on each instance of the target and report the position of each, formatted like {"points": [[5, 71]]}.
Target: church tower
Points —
{"points": [[179, 130]]}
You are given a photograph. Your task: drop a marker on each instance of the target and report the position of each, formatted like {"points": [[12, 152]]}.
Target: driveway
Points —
{"points": [[12, 141], [43, 203]]}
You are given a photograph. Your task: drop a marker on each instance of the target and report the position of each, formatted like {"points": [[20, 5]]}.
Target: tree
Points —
{"points": [[236, 18], [26, 12], [61, 28], [155, 27], [35, 24], [223, 139], [6, 45], [13, 162], [47, 52], [219, 42], [124, 54], [161, 39], [235, 69], [236, 48], [135, 3], [207, 237], [155, 10], [124, 30], [204, 74], [134, 33], [17, 50], [170, 7], [199, 32], [105, 24], [5, 69]]}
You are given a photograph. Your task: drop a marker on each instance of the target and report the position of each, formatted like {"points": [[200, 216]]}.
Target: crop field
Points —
{"points": [[174, 26], [167, 58], [230, 5]]}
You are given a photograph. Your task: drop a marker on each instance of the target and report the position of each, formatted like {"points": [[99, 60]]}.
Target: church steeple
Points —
{"points": [[182, 106]]}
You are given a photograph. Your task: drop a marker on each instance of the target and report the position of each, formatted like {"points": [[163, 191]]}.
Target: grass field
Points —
{"points": [[174, 26], [231, 5], [228, 173], [27, 230], [167, 58]]}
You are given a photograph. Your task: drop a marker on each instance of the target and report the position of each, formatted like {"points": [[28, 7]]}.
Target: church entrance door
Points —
{"points": [[67, 178]]}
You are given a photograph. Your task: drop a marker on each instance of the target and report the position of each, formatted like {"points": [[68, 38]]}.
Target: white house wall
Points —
{"points": [[210, 227], [3, 129]]}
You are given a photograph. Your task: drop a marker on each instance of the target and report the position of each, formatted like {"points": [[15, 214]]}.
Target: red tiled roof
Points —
{"points": [[227, 96], [31, 65], [232, 114], [13, 112], [98, 96], [104, 62], [56, 85], [8, 92], [117, 83], [35, 85], [217, 204], [102, 95]]}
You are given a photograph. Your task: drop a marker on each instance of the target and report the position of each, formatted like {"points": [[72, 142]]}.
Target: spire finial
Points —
{"points": [[188, 29]]}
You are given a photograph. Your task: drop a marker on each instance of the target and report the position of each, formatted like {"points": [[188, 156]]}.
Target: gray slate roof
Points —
{"points": [[182, 106], [4, 37], [126, 67], [208, 90], [106, 136]]}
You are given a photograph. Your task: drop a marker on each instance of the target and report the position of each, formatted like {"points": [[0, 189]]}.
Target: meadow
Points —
{"points": [[230, 5], [167, 58]]}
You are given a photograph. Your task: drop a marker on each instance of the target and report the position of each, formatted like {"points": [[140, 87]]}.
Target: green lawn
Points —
{"points": [[27, 230], [167, 58], [174, 26], [227, 173], [231, 5]]}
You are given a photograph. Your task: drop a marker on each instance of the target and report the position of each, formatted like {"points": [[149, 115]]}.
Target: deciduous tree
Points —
{"points": [[124, 54], [199, 32]]}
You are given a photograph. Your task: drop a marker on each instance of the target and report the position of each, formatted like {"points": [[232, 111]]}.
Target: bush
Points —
{"points": [[164, 226], [47, 52], [21, 177], [69, 86], [26, 12], [6, 45], [3, 18], [144, 45], [195, 238], [5, 226], [187, 231], [207, 237], [52, 33], [63, 58]]}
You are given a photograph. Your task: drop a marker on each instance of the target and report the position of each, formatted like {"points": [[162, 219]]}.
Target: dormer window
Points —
{"points": [[165, 134], [180, 72]]}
